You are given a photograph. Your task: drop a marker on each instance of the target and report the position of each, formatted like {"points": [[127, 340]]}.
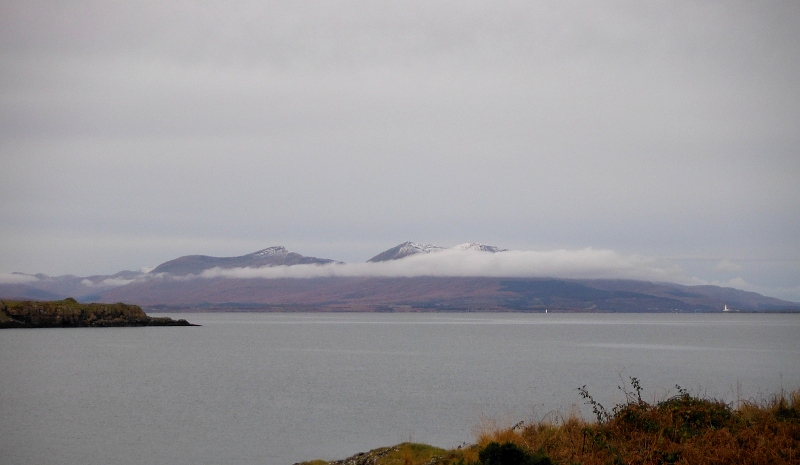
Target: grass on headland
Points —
{"points": [[71, 313], [407, 453], [682, 429]]}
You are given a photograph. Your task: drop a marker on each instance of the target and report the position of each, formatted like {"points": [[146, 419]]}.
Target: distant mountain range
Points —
{"points": [[272, 256], [195, 282]]}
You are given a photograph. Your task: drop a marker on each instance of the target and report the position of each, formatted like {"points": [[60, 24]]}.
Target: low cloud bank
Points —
{"points": [[583, 263], [727, 265], [17, 278], [113, 282]]}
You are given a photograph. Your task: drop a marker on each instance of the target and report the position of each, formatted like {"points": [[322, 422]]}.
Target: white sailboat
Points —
{"points": [[726, 309]]}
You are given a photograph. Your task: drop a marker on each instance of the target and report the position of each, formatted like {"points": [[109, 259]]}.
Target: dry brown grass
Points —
{"points": [[681, 430]]}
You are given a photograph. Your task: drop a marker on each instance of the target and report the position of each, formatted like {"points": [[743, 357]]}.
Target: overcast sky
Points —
{"points": [[135, 132]]}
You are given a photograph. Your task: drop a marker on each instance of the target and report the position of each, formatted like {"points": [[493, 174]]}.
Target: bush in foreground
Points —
{"points": [[509, 453], [682, 429]]}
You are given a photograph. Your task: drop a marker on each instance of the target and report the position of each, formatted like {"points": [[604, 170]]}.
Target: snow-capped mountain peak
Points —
{"points": [[404, 250], [272, 252], [479, 247], [412, 248]]}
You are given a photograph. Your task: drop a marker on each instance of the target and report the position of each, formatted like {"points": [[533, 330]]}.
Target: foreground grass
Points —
{"points": [[682, 429]]}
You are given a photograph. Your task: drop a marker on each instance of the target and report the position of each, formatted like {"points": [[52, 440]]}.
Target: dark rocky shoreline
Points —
{"points": [[69, 313]]}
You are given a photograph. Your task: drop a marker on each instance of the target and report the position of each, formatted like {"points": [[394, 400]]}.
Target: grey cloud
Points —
{"points": [[17, 278], [135, 133], [727, 265], [112, 282]]}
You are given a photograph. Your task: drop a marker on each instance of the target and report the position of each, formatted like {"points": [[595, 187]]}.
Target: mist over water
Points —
{"points": [[281, 388]]}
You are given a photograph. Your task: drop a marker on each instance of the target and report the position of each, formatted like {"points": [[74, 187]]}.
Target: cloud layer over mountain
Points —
{"points": [[585, 263]]}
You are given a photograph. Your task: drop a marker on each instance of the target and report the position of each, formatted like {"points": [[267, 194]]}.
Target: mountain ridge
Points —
{"points": [[403, 250], [271, 256], [409, 248], [180, 284]]}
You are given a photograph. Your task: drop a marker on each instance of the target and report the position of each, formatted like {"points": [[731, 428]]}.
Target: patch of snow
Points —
{"points": [[479, 247], [272, 251], [411, 248]]}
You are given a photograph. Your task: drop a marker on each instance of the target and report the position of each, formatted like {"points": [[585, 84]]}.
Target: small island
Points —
{"points": [[69, 313]]}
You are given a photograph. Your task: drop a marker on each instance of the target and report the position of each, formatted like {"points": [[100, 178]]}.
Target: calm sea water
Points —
{"points": [[276, 389]]}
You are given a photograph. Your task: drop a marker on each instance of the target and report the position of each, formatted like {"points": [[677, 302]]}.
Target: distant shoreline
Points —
{"points": [[287, 309]]}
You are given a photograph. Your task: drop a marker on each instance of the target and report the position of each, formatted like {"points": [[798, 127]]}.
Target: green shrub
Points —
{"points": [[692, 416], [510, 454]]}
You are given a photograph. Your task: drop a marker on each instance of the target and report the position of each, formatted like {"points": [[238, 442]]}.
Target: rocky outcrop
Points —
{"points": [[69, 313], [365, 458], [372, 457], [406, 452]]}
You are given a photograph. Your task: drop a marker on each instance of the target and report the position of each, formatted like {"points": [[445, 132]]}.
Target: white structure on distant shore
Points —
{"points": [[726, 309]]}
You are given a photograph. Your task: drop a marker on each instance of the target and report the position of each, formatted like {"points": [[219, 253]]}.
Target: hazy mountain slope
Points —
{"points": [[41, 286], [355, 291], [703, 294], [433, 293], [26, 291]]}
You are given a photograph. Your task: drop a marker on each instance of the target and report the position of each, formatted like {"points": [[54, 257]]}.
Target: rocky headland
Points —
{"points": [[69, 313]]}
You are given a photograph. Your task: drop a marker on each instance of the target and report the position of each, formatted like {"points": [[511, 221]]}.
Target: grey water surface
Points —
{"points": [[274, 389]]}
